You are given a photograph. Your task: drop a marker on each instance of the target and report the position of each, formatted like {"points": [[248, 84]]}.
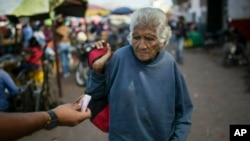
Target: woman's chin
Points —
{"points": [[143, 58]]}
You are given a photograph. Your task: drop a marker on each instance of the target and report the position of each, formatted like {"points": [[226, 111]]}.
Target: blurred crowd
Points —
{"points": [[14, 40], [34, 40]]}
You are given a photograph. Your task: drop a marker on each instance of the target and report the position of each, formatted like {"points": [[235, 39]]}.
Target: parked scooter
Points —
{"points": [[82, 69], [235, 56], [235, 51]]}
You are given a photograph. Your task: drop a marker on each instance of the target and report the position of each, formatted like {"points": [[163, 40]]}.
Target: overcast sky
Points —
{"points": [[110, 4]]}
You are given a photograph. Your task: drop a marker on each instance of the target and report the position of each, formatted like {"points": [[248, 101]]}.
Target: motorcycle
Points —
{"points": [[235, 55], [82, 69]]}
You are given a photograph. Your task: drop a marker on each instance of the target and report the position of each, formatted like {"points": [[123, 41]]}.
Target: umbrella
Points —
{"points": [[94, 10], [122, 11]]}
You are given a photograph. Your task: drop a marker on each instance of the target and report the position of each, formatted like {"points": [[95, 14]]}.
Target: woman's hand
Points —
{"points": [[99, 64]]}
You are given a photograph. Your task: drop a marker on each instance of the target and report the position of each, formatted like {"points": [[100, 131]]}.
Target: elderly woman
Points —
{"points": [[147, 94]]}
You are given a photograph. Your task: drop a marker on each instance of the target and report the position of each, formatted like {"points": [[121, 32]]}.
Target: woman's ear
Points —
{"points": [[162, 45]]}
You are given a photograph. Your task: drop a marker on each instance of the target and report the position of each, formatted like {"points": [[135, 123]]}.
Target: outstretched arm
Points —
{"points": [[17, 125], [8, 82], [96, 87], [96, 81]]}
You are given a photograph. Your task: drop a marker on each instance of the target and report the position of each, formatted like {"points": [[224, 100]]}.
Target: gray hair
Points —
{"points": [[153, 18]]}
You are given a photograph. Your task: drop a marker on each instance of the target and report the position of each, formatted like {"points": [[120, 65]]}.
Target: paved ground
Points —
{"points": [[219, 97]]}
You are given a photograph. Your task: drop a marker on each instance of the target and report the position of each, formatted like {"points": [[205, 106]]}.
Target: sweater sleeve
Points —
{"points": [[9, 83], [96, 85], [183, 110], [99, 99]]}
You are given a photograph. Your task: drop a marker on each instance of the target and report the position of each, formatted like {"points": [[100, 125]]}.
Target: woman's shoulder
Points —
{"points": [[168, 55], [121, 54], [123, 51]]}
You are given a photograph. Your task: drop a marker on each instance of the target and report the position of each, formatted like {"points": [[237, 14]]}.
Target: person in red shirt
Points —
{"points": [[32, 57], [36, 53]]}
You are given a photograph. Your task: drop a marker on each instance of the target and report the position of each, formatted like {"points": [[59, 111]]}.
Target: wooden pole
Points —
{"points": [[58, 78]]}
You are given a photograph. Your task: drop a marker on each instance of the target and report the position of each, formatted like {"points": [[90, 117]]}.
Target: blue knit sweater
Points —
{"points": [[149, 101]]}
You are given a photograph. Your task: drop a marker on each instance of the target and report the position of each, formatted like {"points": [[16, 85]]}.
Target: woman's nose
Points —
{"points": [[142, 45]]}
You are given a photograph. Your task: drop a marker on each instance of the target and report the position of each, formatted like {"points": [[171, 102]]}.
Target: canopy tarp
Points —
{"points": [[75, 8], [94, 10], [23, 7], [42, 8]]}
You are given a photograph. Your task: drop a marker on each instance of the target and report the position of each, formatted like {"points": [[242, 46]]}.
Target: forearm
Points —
{"points": [[8, 82], [16, 125], [96, 85]]}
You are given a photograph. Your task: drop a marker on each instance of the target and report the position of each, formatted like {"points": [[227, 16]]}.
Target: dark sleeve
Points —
{"points": [[96, 88], [96, 85]]}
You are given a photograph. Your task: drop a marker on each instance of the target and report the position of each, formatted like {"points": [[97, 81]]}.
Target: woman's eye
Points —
{"points": [[136, 37], [149, 38]]}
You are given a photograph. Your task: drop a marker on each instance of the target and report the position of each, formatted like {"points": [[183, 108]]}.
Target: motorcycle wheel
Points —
{"points": [[81, 74]]}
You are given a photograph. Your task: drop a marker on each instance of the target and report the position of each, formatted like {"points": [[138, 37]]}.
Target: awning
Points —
{"points": [[94, 10], [23, 7], [40, 9], [75, 8]]}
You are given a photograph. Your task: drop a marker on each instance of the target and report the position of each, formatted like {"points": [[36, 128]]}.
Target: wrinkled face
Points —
{"points": [[145, 43]]}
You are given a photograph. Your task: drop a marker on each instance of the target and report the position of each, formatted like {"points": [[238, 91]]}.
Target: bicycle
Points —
{"points": [[47, 99]]}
